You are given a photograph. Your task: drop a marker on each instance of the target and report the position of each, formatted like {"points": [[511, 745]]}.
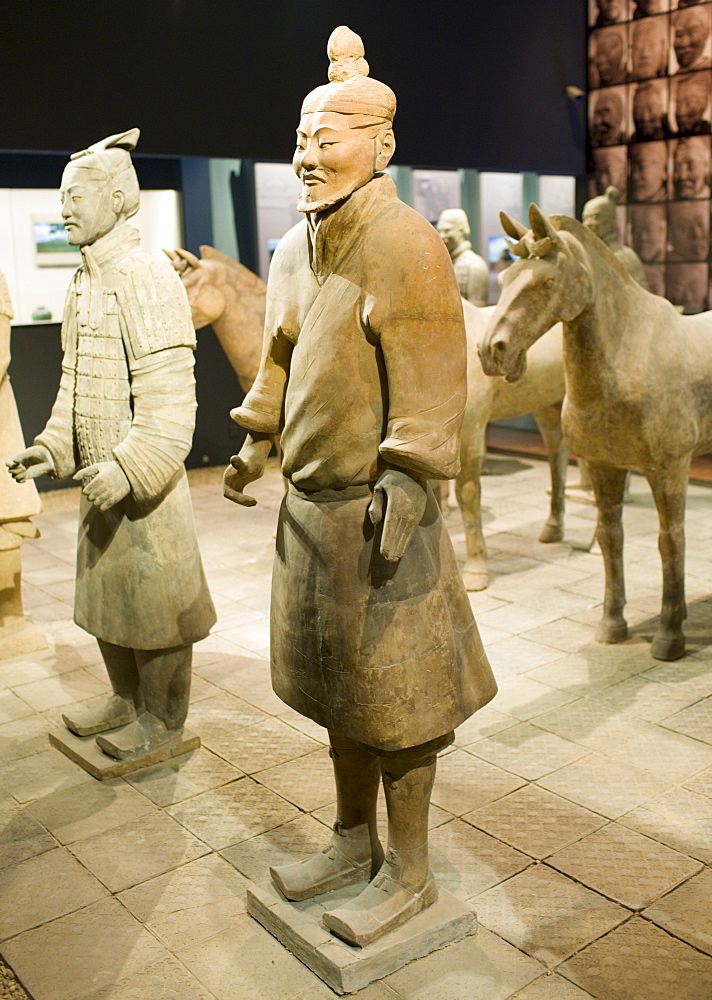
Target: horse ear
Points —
{"points": [[541, 227], [511, 227], [188, 257]]}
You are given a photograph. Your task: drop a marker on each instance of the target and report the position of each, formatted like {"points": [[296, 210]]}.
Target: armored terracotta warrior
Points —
{"points": [[599, 215], [122, 424], [18, 502], [363, 374], [470, 269]]}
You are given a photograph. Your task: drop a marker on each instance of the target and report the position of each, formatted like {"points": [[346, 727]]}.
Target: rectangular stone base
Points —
{"points": [[84, 751], [345, 968]]}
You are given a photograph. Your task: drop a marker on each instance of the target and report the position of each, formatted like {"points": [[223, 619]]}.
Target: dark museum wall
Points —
{"points": [[479, 83]]}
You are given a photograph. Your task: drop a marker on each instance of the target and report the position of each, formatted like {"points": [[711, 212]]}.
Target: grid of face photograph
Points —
{"points": [[650, 89]]}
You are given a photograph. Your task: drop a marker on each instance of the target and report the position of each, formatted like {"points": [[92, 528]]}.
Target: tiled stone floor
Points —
{"points": [[574, 813]]}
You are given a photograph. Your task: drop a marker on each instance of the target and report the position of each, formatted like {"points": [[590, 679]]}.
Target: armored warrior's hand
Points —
{"points": [[246, 467], [404, 497], [105, 483], [31, 463]]}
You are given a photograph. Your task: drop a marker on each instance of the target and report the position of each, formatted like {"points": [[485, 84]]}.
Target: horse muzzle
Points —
{"points": [[498, 358]]}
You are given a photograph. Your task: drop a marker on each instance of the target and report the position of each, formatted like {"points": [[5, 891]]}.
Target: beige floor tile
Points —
{"points": [[164, 980], [552, 987], [294, 841], [234, 812], [701, 783], [75, 685], [304, 725], [528, 751], [643, 698], [480, 967], [13, 708], [624, 865], [486, 722], [88, 809], [180, 778], [547, 915], [41, 774], [566, 635], [216, 720], [695, 721], [466, 861], [266, 745], [91, 948], [526, 699], [692, 677], [42, 888], [641, 957], [678, 818], [21, 836], [604, 785], [515, 619], [463, 782], [307, 782], [244, 961], [516, 656], [584, 675], [36, 668], [535, 821], [687, 911], [124, 855], [665, 754], [189, 904]]}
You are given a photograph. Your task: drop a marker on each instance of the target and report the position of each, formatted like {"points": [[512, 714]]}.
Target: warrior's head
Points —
{"points": [[599, 215], [100, 188], [345, 133], [454, 228]]}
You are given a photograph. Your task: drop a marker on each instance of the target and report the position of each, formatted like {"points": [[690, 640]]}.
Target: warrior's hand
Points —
{"points": [[105, 483], [404, 498], [31, 463], [245, 468]]}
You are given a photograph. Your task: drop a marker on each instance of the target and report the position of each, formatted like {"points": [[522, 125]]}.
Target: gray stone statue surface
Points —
{"points": [[470, 269], [599, 215], [363, 374], [122, 425]]}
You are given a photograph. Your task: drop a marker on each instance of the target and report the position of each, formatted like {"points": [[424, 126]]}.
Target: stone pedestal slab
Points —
{"points": [[84, 751], [344, 968]]}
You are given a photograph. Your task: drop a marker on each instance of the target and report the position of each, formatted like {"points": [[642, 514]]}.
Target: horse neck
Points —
{"points": [[240, 340]]}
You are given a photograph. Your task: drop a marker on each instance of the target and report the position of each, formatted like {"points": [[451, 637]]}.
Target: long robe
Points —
{"points": [[364, 369]]}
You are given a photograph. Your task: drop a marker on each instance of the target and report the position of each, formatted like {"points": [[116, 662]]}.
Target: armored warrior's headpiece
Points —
{"points": [[110, 160], [455, 217], [351, 91], [605, 205]]}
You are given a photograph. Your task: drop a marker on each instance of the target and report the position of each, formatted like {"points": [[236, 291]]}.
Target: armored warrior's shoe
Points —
{"points": [[116, 711], [345, 860], [144, 734]]}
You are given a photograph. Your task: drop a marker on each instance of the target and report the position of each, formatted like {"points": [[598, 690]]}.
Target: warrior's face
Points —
{"points": [[332, 159], [89, 207], [452, 234]]}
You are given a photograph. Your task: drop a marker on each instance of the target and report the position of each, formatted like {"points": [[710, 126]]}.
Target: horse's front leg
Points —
{"points": [[609, 487], [669, 487], [549, 423], [469, 496]]}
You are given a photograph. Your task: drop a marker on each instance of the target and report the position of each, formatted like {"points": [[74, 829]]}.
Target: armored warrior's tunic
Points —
{"points": [[127, 394], [471, 274], [364, 369]]}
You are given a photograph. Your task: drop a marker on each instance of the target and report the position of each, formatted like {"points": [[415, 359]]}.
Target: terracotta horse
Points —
{"points": [[639, 390], [228, 296]]}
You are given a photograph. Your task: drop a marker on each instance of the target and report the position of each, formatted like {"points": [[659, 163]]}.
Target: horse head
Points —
{"points": [[207, 301], [547, 284]]}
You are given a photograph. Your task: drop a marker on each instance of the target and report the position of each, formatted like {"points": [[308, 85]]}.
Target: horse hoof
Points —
{"points": [[668, 647], [475, 580], [551, 533], [611, 632]]}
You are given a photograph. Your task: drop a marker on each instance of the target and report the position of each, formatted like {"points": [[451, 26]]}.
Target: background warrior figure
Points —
{"points": [[363, 373], [122, 424]]}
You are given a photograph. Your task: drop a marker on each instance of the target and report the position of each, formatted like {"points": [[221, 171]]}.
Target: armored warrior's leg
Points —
{"points": [[354, 851], [164, 691], [121, 707], [405, 884]]}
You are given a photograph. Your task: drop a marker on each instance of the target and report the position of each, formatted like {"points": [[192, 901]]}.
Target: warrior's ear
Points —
{"points": [[511, 227], [541, 227]]}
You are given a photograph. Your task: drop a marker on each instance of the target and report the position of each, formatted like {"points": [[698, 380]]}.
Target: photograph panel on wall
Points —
{"points": [[649, 45], [655, 276], [690, 167], [688, 231], [648, 172], [687, 285], [605, 12], [644, 8], [608, 169], [608, 56], [647, 232], [690, 103], [648, 103], [691, 39], [608, 116]]}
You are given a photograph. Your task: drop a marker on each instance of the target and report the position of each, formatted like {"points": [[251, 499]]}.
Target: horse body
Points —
{"points": [[226, 295], [639, 391]]}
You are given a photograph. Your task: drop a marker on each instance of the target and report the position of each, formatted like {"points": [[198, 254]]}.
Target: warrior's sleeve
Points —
{"points": [[58, 436], [422, 336], [477, 282], [261, 409], [159, 339]]}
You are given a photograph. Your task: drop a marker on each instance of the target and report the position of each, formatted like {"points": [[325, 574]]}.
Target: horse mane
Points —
{"points": [[593, 243], [240, 276]]}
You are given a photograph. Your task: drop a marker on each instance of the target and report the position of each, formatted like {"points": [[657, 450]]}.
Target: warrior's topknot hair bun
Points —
{"points": [[346, 53]]}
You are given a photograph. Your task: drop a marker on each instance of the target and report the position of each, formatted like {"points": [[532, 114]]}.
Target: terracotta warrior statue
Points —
{"points": [[18, 502], [599, 215], [470, 269], [363, 375], [122, 425]]}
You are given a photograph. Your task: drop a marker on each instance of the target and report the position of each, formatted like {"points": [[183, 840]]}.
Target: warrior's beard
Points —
{"points": [[306, 203]]}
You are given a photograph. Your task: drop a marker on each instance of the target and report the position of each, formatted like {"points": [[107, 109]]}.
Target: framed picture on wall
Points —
{"points": [[49, 238]]}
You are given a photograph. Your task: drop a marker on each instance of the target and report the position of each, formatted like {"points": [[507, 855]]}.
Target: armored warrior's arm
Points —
{"points": [[478, 283], [58, 435], [159, 339]]}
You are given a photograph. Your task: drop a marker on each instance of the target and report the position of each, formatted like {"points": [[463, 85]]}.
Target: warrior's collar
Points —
{"points": [[332, 233], [113, 246], [465, 245]]}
